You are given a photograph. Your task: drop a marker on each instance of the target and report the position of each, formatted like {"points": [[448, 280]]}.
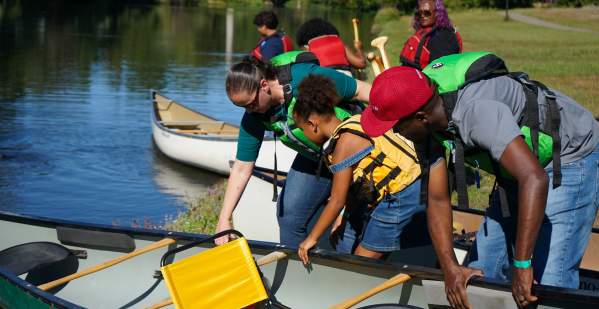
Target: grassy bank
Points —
{"points": [[565, 60], [201, 215]]}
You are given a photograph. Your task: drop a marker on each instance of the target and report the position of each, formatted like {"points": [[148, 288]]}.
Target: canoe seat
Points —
{"points": [[226, 276], [42, 261]]}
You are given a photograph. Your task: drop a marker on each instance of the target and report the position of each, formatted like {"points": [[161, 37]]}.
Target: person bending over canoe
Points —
{"points": [[540, 215], [267, 95], [372, 176]]}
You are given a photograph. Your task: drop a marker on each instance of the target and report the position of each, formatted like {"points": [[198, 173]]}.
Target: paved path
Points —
{"points": [[538, 22]]}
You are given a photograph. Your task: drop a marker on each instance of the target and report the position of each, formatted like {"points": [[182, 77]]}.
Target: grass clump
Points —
{"points": [[201, 215]]}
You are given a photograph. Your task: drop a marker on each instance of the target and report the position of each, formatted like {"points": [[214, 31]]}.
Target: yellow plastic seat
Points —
{"points": [[222, 277]]}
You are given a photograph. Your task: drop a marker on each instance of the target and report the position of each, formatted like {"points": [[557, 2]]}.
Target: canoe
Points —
{"points": [[331, 279], [193, 138]]}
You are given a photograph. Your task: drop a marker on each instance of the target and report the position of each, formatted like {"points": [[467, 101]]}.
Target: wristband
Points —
{"points": [[522, 264]]}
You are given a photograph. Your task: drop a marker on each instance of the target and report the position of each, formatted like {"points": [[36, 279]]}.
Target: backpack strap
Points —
{"points": [[423, 40], [457, 156], [284, 77], [531, 118]]}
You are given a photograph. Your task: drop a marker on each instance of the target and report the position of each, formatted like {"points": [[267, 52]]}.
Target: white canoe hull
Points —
{"points": [[210, 151]]}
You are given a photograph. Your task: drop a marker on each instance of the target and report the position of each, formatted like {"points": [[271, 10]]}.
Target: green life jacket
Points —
{"points": [[283, 124], [452, 73]]}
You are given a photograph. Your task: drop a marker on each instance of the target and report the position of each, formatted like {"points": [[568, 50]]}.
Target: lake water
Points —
{"points": [[75, 135]]}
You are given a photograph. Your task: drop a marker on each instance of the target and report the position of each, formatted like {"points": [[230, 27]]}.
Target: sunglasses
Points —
{"points": [[252, 104], [423, 13]]}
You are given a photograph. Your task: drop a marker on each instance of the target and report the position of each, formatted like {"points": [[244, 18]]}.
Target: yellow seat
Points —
{"points": [[222, 277]]}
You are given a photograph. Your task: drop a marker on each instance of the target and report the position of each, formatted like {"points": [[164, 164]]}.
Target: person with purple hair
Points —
{"points": [[433, 38]]}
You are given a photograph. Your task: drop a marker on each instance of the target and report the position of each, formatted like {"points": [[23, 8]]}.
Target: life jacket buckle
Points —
{"points": [[287, 89]]}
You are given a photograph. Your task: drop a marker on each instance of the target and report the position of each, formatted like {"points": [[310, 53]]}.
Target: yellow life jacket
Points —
{"points": [[389, 168]]}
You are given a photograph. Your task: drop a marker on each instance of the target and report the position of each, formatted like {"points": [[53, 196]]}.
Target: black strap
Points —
{"points": [[498, 187], [531, 112], [385, 181], [284, 78], [275, 193], [420, 47], [377, 161], [554, 123], [460, 173]]}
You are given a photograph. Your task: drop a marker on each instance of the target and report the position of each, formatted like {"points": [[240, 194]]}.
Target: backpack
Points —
{"points": [[452, 73]]}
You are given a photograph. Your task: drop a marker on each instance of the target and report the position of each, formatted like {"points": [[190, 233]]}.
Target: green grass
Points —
{"points": [[202, 213]]}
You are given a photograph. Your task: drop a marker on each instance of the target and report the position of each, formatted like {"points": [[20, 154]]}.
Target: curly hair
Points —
{"points": [[316, 94], [314, 28], [246, 75], [442, 19], [266, 18]]}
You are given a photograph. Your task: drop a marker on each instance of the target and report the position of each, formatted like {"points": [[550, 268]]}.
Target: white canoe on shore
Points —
{"points": [[193, 138]]}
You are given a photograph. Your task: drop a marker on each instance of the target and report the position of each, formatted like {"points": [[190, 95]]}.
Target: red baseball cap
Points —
{"points": [[396, 93]]}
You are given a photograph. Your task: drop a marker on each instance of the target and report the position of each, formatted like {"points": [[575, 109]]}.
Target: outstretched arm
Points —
{"points": [[440, 218], [533, 184], [238, 179]]}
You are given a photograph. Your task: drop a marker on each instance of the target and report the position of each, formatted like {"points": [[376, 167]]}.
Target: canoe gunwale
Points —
{"points": [[33, 291], [546, 293]]}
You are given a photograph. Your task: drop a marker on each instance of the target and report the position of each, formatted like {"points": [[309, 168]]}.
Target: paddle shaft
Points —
{"points": [[355, 22], [397, 279], [63, 280], [376, 69], [379, 64], [267, 259]]}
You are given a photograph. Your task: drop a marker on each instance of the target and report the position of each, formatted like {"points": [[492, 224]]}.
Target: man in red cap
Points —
{"points": [[486, 117]]}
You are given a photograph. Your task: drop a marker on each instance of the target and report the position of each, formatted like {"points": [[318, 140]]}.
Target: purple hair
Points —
{"points": [[441, 20]]}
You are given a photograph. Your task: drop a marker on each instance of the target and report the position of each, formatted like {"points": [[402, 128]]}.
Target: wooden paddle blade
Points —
{"points": [[397, 279]]}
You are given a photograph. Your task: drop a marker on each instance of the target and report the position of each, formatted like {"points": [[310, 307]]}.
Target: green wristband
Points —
{"points": [[522, 264]]}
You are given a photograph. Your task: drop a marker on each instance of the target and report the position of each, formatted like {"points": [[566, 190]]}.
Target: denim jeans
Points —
{"points": [[300, 199], [564, 234], [398, 221]]}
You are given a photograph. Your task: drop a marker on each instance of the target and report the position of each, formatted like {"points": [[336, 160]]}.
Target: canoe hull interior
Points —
{"points": [[331, 279]]}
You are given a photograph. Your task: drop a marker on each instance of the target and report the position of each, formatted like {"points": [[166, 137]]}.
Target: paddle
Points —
{"points": [[355, 21], [376, 69], [93, 269], [380, 44], [397, 279], [267, 259]]}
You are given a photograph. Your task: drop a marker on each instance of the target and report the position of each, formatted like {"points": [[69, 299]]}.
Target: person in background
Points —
{"points": [[322, 38], [273, 41], [434, 35], [380, 199], [255, 86]]}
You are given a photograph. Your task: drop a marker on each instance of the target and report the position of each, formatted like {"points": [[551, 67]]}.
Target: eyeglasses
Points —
{"points": [[423, 13], [251, 105]]}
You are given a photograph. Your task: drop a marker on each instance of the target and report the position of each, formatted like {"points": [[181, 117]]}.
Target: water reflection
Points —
{"points": [[75, 137]]}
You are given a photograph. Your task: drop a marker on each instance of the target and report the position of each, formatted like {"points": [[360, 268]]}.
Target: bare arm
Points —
{"points": [[362, 91], [238, 179], [440, 218], [356, 56], [533, 184]]}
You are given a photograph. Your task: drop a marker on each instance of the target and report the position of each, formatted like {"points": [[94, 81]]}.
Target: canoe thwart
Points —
{"points": [[93, 269], [395, 280]]}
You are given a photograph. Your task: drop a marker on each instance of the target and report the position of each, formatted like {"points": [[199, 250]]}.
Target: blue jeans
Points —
{"points": [[300, 199], [564, 234], [398, 221]]}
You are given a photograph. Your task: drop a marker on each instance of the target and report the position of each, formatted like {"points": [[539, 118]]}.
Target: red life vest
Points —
{"points": [[415, 52], [330, 51], [285, 39]]}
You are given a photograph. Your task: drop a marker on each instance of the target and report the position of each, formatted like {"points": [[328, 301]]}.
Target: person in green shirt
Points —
{"points": [[254, 86]]}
